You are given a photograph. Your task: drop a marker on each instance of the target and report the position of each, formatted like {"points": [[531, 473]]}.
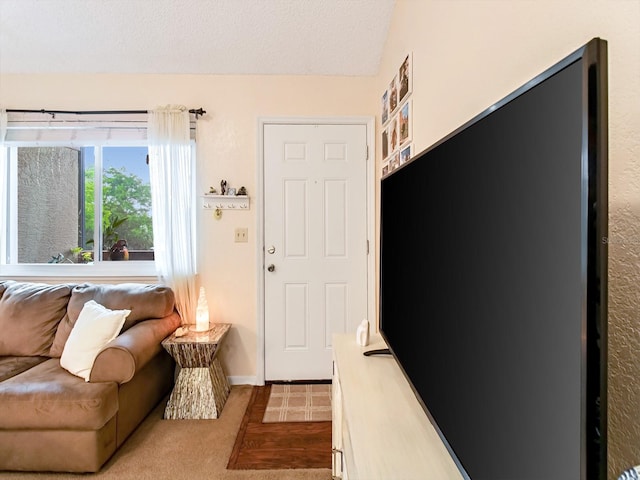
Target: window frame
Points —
{"points": [[8, 218]]}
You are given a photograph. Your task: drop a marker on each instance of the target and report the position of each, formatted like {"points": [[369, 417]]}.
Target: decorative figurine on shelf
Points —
{"points": [[212, 191], [223, 187], [231, 191], [242, 191]]}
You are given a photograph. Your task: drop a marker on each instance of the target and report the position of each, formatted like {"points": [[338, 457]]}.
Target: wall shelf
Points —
{"points": [[225, 202]]}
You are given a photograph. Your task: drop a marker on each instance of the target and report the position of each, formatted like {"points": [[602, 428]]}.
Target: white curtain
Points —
{"points": [[172, 174]]}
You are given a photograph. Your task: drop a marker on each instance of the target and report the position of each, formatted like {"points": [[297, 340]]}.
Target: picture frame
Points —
{"points": [[405, 154], [393, 135], [384, 116], [405, 78], [404, 123], [385, 168], [393, 95], [394, 163], [385, 143]]}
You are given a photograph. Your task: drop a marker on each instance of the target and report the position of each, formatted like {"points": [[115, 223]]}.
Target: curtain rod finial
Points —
{"points": [[198, 112]]}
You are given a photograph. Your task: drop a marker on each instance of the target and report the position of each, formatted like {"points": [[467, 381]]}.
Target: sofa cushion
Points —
{"points": [[11, 366], [29, 316], [95, 328], [144, 301], [48, 397]]}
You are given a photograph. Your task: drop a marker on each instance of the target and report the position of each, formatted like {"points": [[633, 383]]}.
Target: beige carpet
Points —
{"points": [[182, 449], [298, 403]]}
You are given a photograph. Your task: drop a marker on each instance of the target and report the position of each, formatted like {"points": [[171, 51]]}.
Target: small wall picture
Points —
{"points": [[385, 143], [395, 161], [393, 94], [385, 107], [385, 168], [405, 154], [404, 123], [394, 135], [405, 74]]}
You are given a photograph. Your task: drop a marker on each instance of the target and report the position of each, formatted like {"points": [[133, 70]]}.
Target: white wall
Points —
{"points": [[468, 54], [226, 149]]}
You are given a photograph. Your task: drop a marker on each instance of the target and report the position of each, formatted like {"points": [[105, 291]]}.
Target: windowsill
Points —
{"points": [[78, 270]]}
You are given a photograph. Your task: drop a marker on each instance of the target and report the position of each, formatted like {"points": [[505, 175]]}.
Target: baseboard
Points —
{"points": [[242, 380]]}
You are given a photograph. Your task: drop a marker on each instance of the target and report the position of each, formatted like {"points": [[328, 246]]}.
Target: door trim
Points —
{"points": [[260, 244]]}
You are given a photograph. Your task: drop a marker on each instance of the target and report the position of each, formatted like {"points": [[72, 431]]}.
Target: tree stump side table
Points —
{"points": [[202, 388]]}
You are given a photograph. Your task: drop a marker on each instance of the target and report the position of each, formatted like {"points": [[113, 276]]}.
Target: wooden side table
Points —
{"points": [[202, 388]]}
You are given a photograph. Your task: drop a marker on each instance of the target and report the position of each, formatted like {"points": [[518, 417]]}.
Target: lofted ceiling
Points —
{"points": [[291, 37]]}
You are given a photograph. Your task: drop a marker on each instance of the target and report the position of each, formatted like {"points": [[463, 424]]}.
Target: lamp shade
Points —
{"points": [[202, 313]]}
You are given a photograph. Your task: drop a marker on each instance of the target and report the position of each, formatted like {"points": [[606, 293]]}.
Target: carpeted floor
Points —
{"points": [[182, 450]]}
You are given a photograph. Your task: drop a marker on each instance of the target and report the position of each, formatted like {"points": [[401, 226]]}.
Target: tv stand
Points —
{"points": [[380, 431], [378, 351]]}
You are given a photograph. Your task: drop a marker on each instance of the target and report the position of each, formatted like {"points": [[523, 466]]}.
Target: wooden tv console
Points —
{"points": [[380, 431]]}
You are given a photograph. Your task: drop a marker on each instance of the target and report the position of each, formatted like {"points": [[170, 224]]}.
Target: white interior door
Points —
{"points": [[315, 234]]}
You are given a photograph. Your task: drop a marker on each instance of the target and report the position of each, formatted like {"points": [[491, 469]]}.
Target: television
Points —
{"points": [[493, 278]]}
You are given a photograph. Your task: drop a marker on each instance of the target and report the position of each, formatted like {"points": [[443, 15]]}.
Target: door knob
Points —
{"points": [[271, 250], [271, 268]]}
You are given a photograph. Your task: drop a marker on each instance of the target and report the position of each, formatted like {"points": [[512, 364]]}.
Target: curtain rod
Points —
{"points": [[197, 112]]}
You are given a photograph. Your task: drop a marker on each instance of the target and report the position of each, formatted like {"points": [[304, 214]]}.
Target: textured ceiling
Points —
{"points": [[299, 37]]}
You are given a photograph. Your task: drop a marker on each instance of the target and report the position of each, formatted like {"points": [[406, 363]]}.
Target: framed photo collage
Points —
{"points": [[396, 118]]}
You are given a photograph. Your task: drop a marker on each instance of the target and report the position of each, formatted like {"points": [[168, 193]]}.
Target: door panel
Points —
{"points": [[296, 315], [296, 225]]}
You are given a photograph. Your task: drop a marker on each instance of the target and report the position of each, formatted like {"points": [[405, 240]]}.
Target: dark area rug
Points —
{"points": [[265, 446]]}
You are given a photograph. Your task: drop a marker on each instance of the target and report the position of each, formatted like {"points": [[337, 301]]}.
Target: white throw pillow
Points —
{"points": [[95, 328]]}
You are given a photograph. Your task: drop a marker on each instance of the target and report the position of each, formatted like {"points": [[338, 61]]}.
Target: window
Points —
{"points": [[59, 196], [70, 185]]}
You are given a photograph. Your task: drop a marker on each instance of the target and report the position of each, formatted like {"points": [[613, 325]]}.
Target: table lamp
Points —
{"points": [[202, 313]]}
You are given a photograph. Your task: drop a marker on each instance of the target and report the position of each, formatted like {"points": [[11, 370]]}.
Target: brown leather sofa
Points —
{"points": [[51, 420]]}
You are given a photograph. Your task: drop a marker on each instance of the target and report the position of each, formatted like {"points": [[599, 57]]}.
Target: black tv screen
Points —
{"points": [[493, 278]]}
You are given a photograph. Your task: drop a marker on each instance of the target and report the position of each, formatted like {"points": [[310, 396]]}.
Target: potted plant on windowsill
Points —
{"points": [[115, 248], [119, 251], [82, 256]]}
